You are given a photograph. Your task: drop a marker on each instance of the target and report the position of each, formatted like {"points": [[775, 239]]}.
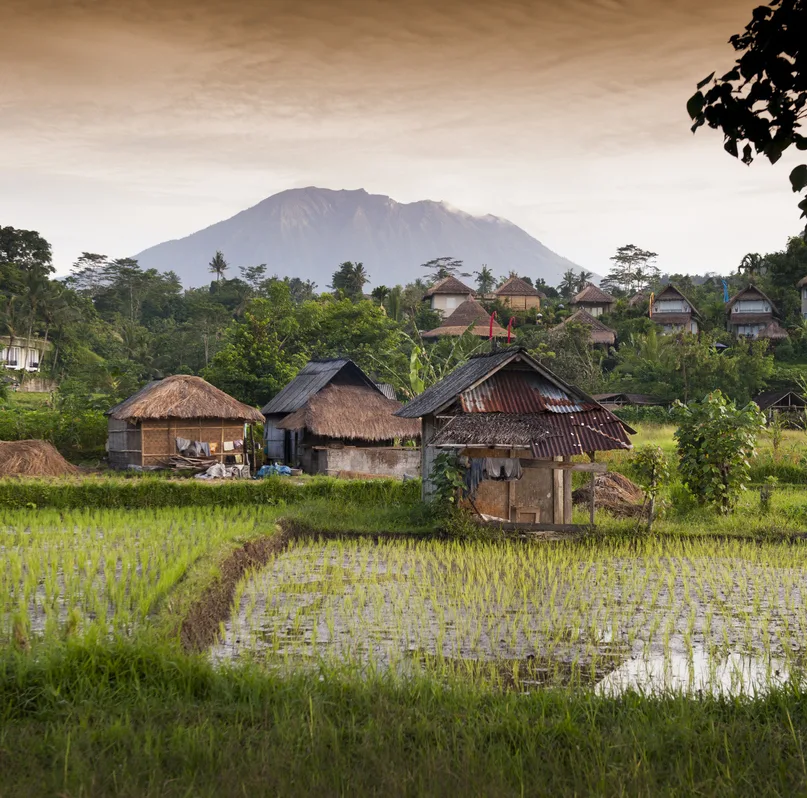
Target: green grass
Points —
{"points": [[130, 720], [28, 401]]}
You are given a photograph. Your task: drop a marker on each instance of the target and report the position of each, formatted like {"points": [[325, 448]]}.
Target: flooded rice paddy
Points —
{"points": [[692, 615]]}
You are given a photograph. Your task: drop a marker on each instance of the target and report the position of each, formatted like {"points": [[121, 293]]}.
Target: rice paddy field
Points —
{"points": [[335, 644]]}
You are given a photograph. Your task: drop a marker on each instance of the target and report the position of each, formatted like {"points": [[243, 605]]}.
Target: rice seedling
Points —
{"points": [[518, 614]]}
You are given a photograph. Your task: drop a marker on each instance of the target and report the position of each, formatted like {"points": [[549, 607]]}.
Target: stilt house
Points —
{"points": [[507, 410]]}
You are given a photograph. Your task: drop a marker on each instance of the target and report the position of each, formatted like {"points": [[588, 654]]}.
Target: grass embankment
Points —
{"points": [[129, 720]]}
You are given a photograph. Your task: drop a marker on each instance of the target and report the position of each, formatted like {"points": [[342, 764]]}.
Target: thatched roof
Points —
{"points": [[671, 292], [32, 459], [449, 285], [592, 295], [600, 334], [352, 412], [515, 286], [182, 396], [801, 283], [773, 331], [468, 313], [750, 292]]}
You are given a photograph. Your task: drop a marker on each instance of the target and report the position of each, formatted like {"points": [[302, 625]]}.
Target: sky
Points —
{"points": [[124, 124]]}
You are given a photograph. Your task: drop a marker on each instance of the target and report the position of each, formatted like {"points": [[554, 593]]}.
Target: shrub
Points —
{"points": [[716, 441]]}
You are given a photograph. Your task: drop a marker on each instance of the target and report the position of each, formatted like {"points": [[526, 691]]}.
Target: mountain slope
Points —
{"points": [[308, 232]]}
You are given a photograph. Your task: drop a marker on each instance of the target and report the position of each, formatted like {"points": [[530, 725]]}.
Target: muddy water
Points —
{"points": [[718, 624]]}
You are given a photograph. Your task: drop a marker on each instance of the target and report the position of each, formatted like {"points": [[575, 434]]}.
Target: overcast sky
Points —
{"points": [[123, 124]]}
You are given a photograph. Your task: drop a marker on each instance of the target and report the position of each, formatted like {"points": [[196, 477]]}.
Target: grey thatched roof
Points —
{"points": [[468, 313], [600, 334], [313, 377], [449, 285], [182, 396], [749, 292], [593, 295], [515, 286], [671, 291], [351, 412]]}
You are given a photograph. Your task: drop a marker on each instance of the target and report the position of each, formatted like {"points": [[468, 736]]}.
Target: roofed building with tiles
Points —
{"points": [[446, 295], [333, 419], [506, 406], [600, 334], [470, 314], [518, 294], [749, 312], [673, 312], [594, 300]]}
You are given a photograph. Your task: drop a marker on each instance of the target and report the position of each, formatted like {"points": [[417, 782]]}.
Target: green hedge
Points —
{"points": [[75, 435], [156, 492]]}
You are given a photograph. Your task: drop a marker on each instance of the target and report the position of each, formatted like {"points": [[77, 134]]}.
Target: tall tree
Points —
{"points": [[218, 265], [761, 103], [440, 268], [583, 278], [350, 279], [253, 276], [485, 281], [633, 269], [568, 285]]}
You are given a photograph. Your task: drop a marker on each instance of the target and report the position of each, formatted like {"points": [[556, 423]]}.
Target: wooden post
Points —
{"points": [[592, 504], [567, 493], [512, 513], [557, 494]]}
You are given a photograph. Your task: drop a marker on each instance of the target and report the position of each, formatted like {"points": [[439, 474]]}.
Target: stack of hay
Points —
{"points": [[32, 459], [613, 493]]}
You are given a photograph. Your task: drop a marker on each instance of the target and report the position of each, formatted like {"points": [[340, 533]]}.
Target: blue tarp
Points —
{"points": [[270, 470]]}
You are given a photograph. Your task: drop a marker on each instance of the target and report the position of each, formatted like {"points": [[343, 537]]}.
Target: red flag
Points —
{"points": [[492, 317], [510, 328]]}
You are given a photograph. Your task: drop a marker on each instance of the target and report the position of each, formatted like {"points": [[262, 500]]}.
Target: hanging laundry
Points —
{"points": [[182, 444], [205, 448], [503, 469], [474, 474], [214, 447], [228, 446]]}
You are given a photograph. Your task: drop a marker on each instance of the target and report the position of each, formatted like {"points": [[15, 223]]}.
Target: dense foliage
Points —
{"points": [[716, 441]]}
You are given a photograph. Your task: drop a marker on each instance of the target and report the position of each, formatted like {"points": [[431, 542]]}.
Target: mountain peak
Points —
{"points": [[307, 232]]}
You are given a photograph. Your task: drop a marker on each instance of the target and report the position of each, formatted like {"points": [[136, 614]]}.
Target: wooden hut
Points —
{"points": [[470, 314], [352, 428], [751, 311], [615, 400], [518, 294], [145, 429], [673, 312], [594, 300], [505, 406], [446, 295]]}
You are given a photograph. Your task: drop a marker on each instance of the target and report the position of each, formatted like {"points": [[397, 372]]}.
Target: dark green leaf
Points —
{"points": [[695, 105], [705, 81], [731, 147], [798, 177]]}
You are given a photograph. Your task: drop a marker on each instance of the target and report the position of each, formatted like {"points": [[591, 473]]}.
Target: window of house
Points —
{"points": [[452, 302], [670, 306], [751, 306]]}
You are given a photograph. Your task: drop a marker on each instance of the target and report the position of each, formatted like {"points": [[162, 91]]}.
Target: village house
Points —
{"points": [[518, 294], [517, 426], [468, 313], [612, 401], [333, 419], [593, 300], [786, 400], [20, 354], [179, 418], [802, 286], [750, 314], [446, 295], [673, 312], [600, 335]]}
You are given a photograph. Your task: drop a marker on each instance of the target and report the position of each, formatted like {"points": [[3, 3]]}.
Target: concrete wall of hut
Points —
{"points": [[390, 461]]}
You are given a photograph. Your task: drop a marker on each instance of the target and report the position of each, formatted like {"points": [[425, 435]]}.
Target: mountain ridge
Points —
{"points": [[307, 232]]}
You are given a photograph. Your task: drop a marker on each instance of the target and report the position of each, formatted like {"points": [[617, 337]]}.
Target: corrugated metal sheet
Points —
{"points": [[547, 434], [313, 377], [387, 389], [518, 392]]}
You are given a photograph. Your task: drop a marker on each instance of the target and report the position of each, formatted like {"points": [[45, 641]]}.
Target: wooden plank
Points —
{"points": [[592, 504], [528, 527], [557, 495], [590, 468]]}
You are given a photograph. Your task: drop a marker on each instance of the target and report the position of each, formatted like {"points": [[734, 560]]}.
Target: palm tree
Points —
{"points": [[218, 265], [484, 280], [752, 266], [583, 278], [568, 284]]}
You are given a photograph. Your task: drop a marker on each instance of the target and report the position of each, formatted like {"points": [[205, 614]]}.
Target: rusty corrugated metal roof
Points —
{"points": [[547, 434], [518, 392]]}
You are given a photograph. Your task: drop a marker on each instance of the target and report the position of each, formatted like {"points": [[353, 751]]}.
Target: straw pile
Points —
{"points": [[614, 493], [32, 459]]}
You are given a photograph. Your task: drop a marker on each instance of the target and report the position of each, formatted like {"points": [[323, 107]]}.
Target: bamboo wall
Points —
{"points": [[152, 442]]}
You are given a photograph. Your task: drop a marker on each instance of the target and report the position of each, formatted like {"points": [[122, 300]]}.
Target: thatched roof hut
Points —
{"points": [[600, 334], [594, 300], [348, 412], [468, 313], [146, 428]]}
